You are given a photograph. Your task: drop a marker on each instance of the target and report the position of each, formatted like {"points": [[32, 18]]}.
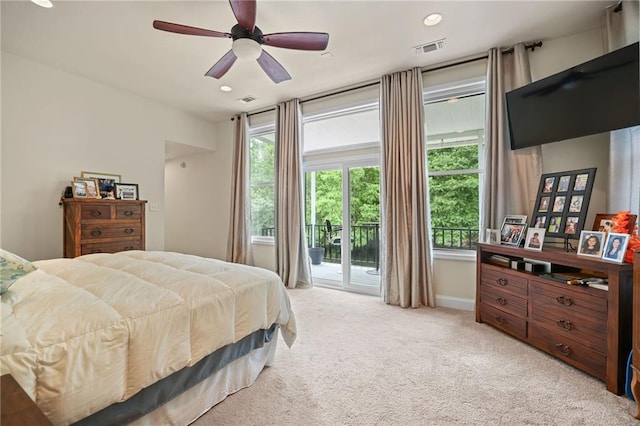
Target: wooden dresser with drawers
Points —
{"points": [[587, 327], [103, 226]]}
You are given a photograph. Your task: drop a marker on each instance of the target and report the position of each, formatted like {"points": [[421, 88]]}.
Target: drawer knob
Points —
{"points": [[567, 325], [501, 300], [502, 281], [96, 213], [564, 349], [567, 301], [96, 233], [128, 231], [128, 213], [500, 319], [129, 248]]}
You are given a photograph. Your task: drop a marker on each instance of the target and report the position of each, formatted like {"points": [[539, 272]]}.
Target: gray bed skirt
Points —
{"points": [[152, 397]]}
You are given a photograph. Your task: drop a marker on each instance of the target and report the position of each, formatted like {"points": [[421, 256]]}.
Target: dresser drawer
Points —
{"points": [[587, 359], [504, 321], [572, 299], [111, 247], [504, 301], [95, 211], [129, 211], [499, 278], [90, 231]]}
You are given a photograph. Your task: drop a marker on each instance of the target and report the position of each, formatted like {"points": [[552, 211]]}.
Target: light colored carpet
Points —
{"points": [[358, 361]]}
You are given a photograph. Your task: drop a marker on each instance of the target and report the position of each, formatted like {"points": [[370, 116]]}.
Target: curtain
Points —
{"points": [[511, 178], [292, 259], [620, 29], [239, 243], [405, 240]]}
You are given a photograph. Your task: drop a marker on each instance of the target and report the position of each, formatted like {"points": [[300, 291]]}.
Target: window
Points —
{"points": [[262, 178], [454, 121]]}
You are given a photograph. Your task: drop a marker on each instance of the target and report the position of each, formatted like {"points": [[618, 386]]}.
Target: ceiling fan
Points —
{"points": [[248, 41]]}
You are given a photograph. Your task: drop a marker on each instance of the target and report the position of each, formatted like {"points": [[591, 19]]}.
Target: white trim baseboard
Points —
{"points": [[455, 303]]}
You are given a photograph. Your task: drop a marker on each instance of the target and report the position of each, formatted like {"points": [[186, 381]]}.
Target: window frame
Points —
{"points": [[256, 132]]}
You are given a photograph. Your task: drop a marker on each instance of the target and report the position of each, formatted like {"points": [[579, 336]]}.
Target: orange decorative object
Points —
{"points": [[620, 224]]}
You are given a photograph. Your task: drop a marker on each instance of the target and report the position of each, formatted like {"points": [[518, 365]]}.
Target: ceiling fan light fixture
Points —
{"points": [[43, 3], [246, 48], [432, 19]]}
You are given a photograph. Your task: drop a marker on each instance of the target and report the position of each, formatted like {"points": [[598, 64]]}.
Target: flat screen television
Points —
{"points": [[594, 97]]}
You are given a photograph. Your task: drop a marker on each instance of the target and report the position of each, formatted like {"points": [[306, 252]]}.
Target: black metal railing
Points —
{"points": [[365, 241]]}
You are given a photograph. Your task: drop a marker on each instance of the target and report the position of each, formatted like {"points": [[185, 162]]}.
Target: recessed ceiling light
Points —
{"points": [[432, 19], [226, 88], [43, 3]]}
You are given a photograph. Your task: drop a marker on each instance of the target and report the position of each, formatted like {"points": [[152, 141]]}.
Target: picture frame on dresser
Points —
{"points": [[603, 222], [79, 189], [562, 202], [106, 182], [126, 191], [513, 229], [591, 243], [93, 189], [615, 247], [535, 239]]}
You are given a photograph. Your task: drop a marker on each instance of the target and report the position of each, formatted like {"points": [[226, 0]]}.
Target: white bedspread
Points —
{"points": [[81, 334]]}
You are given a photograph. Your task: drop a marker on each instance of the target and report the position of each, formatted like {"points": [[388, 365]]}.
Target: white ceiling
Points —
{"points": [[114, 43]]}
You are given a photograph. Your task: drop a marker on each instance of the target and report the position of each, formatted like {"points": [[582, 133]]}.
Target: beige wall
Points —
{"points": [[55, 125]]}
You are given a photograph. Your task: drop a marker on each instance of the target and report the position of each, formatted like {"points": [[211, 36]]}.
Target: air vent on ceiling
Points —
{"points": [[432, 46], [247, 99]]}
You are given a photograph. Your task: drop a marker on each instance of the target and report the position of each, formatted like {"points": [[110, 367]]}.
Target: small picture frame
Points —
{"points": [[492, 236], [603, 222], [93, 190], [535, 238], [591, 243], [79, 189], [126, 191], [615, 247], [513, 229]]}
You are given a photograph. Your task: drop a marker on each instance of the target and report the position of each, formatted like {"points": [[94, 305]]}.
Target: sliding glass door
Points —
{"points": [[342, 216]]}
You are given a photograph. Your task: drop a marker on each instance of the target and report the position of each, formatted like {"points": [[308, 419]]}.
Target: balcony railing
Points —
{"points": [[365, 241]]}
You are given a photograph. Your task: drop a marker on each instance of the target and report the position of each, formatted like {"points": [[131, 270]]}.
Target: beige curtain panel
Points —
{"points": [[239, 243], [292, 259], [621, 29], [511, 178], [405, 241]]}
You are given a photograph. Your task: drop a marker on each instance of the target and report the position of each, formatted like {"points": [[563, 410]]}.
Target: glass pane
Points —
{"points": [[342, 130], [364, 187], [453, 158], [262, 159], [262, 211], [454, 203]]}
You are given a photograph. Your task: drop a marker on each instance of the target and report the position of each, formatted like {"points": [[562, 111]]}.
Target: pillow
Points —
{"points": [[12, 267]]}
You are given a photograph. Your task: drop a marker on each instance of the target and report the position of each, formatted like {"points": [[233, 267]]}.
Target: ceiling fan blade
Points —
{"points": [[221, 67], [185, 29], [274, 70], [300, 40], [245, 13]]}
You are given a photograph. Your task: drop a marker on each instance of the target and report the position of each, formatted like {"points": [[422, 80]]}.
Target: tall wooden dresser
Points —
{"points": [[635, 382], [103, 226]]}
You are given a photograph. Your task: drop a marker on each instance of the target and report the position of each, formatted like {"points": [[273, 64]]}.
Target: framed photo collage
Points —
{"points": [[562, 202]]}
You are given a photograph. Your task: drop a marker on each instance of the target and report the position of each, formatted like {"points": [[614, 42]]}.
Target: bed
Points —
{"points": [[140, 337]]}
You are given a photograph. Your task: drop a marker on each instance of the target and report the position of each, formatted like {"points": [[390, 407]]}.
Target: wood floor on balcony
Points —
{"points": [[361, 275]]}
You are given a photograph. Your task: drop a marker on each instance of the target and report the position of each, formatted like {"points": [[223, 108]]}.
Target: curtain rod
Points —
{"points": [[508, 51]]}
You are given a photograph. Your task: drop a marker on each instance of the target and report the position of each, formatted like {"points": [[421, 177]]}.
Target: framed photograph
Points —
{"points": [[513, 228], [79, 189], [603, 223], [591, 243], [535, 238], [615, 247], [492, 236], [106, 182], [93, 191], [126, 191], [562, 202]]}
